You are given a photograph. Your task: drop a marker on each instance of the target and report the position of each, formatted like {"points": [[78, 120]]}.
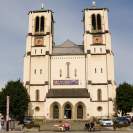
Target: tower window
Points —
{"points": [[35, 51], [93, 22], [37, 24], [60, 73], [37, 95], [99, 26], [42, 24], [99, 95], [95, 70], [101, 70], [41, 51], [101, 50], [68, 69], [75, 72], [96, 22], [35, 71], [94, 50], [40, 71]]}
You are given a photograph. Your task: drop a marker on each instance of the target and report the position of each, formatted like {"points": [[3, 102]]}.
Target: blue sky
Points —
{"points": [[14, 26]]}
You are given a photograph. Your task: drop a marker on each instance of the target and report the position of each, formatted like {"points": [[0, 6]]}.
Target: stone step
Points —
{"points": [[50, 125]]}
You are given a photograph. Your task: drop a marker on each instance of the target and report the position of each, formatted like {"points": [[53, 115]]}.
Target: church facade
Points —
{"points": [[69, 81]]}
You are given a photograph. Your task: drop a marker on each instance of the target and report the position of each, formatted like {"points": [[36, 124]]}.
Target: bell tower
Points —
{"points": [[99, 58], [96, 28], [39, 44]]}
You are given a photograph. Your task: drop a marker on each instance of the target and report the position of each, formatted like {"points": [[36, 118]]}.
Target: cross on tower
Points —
{"points": [[42, 7], [94, 3]]}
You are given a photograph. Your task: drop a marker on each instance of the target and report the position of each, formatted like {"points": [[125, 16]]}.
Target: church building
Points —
{"points": [[69, 81]]}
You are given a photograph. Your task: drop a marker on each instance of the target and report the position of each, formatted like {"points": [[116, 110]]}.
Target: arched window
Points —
{"points": [[80, 112], [42, 24], [99, 26], [37, 24], [55, 111], [99, 95], [37, 95], [93, 19]]}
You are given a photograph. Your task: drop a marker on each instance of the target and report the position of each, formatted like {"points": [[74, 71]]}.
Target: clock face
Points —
{"points": [[39, 41], [97, 39]]}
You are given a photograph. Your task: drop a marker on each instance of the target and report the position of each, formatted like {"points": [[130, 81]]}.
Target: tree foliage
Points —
{"points": [[124, 98], [19, 99]]}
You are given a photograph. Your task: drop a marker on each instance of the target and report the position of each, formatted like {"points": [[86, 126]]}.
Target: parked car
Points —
{"points": [[129, 118], [121, 122], [27, 120], [106, 122]]}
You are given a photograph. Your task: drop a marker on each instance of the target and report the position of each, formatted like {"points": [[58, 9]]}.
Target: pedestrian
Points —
{"points": [[92, 126]]}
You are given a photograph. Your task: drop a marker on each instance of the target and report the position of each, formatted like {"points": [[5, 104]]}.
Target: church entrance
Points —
{"points": [[67, 111]]}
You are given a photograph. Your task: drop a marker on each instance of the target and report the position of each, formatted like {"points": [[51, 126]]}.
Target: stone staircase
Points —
{"points": [[49, 125]]}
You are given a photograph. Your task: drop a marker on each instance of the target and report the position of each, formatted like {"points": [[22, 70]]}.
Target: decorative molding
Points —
{"points": [[88, 51], [109, 82], [98, 53], [89, 82], [39, 34], [28, 53], [37, 55], [38, 11], [98, 101], [46, 83], [99, 84], [108, 51], [27, 82], [39, 46], [37, 101], [97, 33], [47, 53]]}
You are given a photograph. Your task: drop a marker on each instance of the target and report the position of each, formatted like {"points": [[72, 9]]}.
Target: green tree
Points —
{"points": [[124, 98], [19, 99]]}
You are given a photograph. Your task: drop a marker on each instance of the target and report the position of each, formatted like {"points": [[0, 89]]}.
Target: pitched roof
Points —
{"points": [[68, 93], [68, 47]]}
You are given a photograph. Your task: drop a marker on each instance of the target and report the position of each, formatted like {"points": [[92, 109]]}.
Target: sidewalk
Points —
{"points": [[3, 131]]}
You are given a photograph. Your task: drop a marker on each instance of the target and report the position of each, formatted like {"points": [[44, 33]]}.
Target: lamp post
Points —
{"points": [[7, 112]]}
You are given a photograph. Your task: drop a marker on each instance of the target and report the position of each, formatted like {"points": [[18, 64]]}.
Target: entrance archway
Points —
{"points": [[67, 111]]}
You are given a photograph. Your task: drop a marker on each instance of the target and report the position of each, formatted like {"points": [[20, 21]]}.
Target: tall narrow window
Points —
{"points": [[99, 26], [101, 70], [75, 72], [37, 24], [101, 50], [60, 73], [68, 65], [40, 71], [37, 95], [42, 24], [94, 50], [93, 22], [95, 70], [35, 71], [35, 51], [99, 95]]}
